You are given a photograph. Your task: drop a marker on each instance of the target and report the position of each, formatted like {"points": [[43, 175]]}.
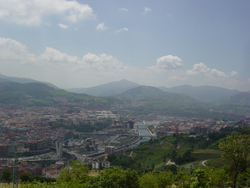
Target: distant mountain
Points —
{"points": [[16, 93], [39, 94], [4, 78], [205, 94], [109, 89], [153, 93], [149, 100], [242, 98]]}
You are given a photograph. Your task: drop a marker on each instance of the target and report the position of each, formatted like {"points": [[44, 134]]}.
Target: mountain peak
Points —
{"points": [[108, 89]]}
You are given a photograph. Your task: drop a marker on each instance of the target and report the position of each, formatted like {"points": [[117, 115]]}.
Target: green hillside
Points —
{"points": [[109, 89], [38, 94], [154, 100], [149, 93], [157, 154], [149, 99], [242, 98], [202, 93]]}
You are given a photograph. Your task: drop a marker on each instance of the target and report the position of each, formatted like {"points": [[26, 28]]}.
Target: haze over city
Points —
{"points": [[157, 43]]}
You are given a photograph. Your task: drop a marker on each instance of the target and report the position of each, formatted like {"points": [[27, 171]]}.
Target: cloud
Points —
{"points": [[12, 50], [168, 62], [67, 71], [53, 55], [101, 26], [146, 10], [102, 61], [218, 73], [62, 69], [201, 68], [123, 9], [63, 26], [198, 68], [32, 12], [233, 73], [123, 29]]}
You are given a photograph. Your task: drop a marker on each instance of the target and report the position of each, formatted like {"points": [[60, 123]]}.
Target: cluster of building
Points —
{"points": [[171, 126], [34, 169], [34, 129]]}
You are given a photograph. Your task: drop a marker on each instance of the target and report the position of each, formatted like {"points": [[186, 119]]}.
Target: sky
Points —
{"points": [[86, 43]]}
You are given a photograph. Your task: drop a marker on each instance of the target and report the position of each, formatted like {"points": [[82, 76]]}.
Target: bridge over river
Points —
{"points": [[143, 132], [144, 136]]}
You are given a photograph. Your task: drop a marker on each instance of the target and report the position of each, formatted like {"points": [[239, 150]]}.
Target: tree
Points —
{"points": [[6, 175], [183, 178], [199, 179], [148, 180], [117, 178], [165, 179], [235, 151], [26, 177], [217, 177], [76, 172]]}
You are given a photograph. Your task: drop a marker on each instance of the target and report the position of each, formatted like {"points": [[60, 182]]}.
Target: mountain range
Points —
{"points": [[133, 91], [140, 100], [153, 93], [205, 94]]}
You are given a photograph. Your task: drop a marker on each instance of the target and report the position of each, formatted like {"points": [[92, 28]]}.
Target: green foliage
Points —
{"points": [[74, 173], [182, 178], [6, 175], [122, 160], [117, 178], [157, 180], [186, 157], [165, 179], [172, 168], [148, 180], [198, 178], [235, 151], [26, 177]]}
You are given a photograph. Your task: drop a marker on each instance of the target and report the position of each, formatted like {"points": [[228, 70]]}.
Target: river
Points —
{"points": [[143, 132]]}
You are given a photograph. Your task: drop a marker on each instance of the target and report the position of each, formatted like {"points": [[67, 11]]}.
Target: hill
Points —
{"points": [[147, 100], [242, 98], [109, 89], [39, 94], [202, 93], [236, 104], [155, 154], [4, 78], [153, 93], [143, 100]]}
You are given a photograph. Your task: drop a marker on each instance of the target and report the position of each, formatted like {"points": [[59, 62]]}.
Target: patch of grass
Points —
{"points": [[217, 163], [94, 173], [206, 154]]}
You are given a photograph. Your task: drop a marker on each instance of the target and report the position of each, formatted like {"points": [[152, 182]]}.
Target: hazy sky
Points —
{"points": [[85, 43]]}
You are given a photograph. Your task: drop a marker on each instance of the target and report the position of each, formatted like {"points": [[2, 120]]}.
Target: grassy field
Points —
{"points": [[205, 154], [156, 154]]}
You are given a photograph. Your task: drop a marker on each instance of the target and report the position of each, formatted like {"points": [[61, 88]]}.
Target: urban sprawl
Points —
{"points": [[33, 134]]}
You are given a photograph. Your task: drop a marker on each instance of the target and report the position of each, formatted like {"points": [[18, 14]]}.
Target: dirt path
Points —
{"points": [[203, 163], [131, 153], [170, 163]]}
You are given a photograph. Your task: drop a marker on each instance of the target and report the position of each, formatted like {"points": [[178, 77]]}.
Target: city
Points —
{"points": [[31, 133]]}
